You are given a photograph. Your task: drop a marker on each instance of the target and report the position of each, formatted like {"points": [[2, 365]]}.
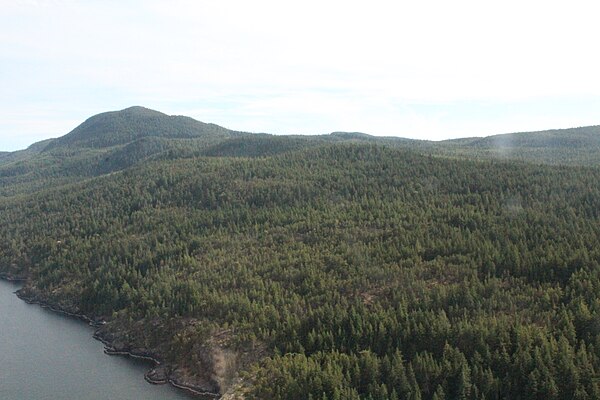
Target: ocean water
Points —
{"points": [[46, 355]]}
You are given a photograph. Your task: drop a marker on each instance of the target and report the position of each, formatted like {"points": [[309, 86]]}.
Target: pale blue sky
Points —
{"points": [[427, 69]]}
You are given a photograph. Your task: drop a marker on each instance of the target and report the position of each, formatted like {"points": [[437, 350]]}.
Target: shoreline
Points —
{"points": [[112, 351], [11, 278], [109, 349]]}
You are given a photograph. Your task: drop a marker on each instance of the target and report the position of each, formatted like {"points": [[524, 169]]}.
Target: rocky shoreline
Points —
{"points": [[159, 374]]}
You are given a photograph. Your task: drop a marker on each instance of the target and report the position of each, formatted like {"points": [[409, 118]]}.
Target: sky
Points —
{"points": [[418, 69]]}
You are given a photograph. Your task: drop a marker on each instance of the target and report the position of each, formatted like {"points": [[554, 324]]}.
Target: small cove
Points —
{"points": [[47, 355]]}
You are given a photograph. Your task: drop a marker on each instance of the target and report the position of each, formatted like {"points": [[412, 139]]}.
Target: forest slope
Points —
{"points": [[117, 140], [341, 266], [575, 146], [337, 271]]}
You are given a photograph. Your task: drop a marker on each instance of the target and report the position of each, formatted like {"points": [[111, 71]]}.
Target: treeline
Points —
{"points": [[367, 272]]}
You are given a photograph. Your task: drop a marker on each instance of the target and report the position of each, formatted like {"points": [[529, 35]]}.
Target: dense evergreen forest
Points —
{"points": [[330, 267]]}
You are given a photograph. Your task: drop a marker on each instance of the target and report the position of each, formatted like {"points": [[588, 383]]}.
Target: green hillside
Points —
{"points": [[103, 144], [125, 126], [574, 138], [576, 146], [117, 140], [32, 151], [340, 266]]}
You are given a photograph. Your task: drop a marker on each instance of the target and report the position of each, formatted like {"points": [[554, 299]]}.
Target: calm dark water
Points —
{"points": [[45, 355]]}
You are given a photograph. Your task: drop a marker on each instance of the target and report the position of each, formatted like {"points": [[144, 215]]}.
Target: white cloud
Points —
{"points": [[312, 66]]}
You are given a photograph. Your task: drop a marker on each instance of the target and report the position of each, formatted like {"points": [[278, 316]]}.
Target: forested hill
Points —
{"points": [[575, 146], [568, 139], [122, 127], [34, 149], [117, 140], [103, 144], [330, 267]]}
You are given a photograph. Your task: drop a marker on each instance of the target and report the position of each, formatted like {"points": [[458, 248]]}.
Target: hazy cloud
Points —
{"points": [[419, 69]]}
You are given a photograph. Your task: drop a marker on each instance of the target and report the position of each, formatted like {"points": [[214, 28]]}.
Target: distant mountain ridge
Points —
{"points": [[105, 143], [118, 128], [35, 148], [572, 146], [117, 140], [580, 137], [122, 127]]}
